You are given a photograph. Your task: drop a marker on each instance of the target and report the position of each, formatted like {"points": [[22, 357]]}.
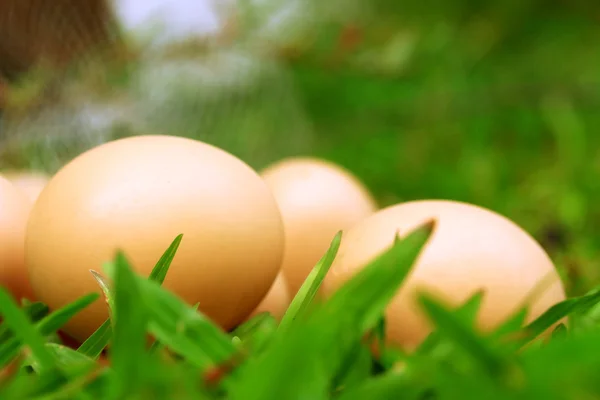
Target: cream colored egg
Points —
{"points": [[471, 249], [276, 301], [14, 210], [317, 199], [137, 194], [30, 182]]}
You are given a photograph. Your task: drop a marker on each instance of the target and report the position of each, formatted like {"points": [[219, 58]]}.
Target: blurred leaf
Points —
{"points": [[257, 332], [355, 369], [558, 312], [34, 311], [389, 386], [310, 287], [129, 333], [560, 332], [512, 324], [66, 358], [467, 312], [97, 342], [452, 327], [320, 344], [183, 329], [49, 324], [60, 317], [24, 330]]}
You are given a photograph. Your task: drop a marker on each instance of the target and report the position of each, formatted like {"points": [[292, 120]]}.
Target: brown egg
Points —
{"points": [[471, 249], [14, 210], [317, 199], [137, 194], [31, 183], [276, 301]]}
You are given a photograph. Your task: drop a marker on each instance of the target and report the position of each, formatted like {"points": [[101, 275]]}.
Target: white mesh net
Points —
{"points": [[200, 69]]}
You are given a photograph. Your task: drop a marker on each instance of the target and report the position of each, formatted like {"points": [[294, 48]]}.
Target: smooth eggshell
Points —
{"points": [[14, 210], [137, 194], [276, 301], [317, 199], [31, 182], [470, 249]]}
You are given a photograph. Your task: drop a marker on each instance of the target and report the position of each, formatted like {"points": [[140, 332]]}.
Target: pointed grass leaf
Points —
{"points": [[67, 358], [129, 333], [303, 299], [97, 342], [454, 328], [183, 329], [24, 330], [105, 286], [47, 325], [256, 333], [470, 309], [247, 328], [159, 272], [356, 368], [57, 319], [467, 312], [557, 312], [560, 332], [318, 345], [366, 295], [512, 324]]}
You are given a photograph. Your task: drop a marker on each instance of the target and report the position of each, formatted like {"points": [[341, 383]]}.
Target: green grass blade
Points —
{"points": [[105, 286], [97, 342], [392, 385], [24, 330], [159, 272], [560, 332], [66, 358], [318, 345], [129, 333], [60, 317], [511, 325], [49, 324], [34, 311], [254, 335], [470, 309], [452, 327], [467, 312], [310, 287], [558, 312], [366, 295], [185, 330], [355, 369]]}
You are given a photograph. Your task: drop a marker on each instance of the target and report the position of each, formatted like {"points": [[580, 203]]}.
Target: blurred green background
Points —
{"points": [[489, 102]]}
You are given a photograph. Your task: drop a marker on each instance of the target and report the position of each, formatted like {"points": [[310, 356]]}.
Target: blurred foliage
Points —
{"points": [[489, 102]]}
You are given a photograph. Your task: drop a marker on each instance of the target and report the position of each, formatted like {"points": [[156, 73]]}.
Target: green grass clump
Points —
{"points": [[322, 349]]}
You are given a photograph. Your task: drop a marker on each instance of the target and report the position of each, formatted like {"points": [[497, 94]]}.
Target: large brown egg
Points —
{"points": [[14, 210], [317, 199], [471, 249], [137, 194], [30, 182], [276, 301]]}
